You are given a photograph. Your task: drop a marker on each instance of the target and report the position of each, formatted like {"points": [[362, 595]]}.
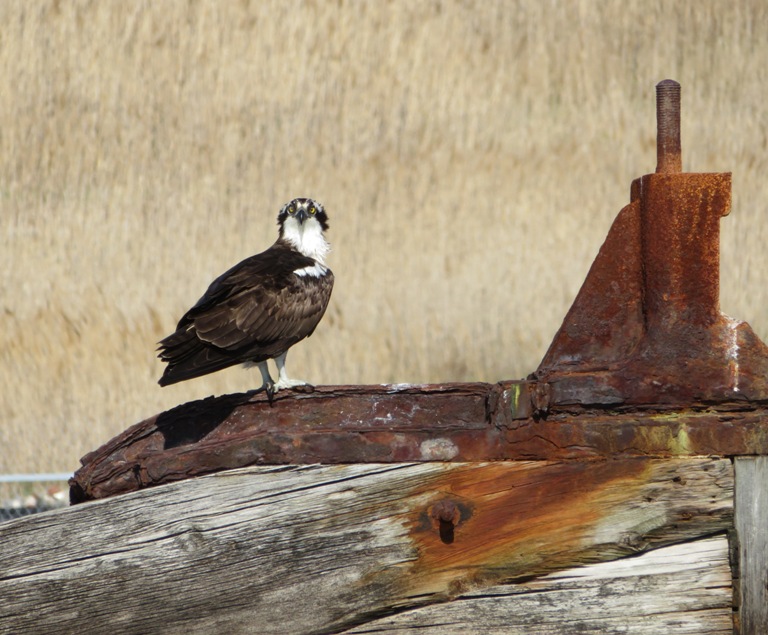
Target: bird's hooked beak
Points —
{"points": [[301, 215]]}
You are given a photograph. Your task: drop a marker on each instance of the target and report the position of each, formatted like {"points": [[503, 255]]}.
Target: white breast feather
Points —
{"points": [[314, 271], [307, 239]]}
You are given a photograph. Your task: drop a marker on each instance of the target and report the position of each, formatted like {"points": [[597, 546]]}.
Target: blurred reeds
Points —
{"points": [[471, 156]]}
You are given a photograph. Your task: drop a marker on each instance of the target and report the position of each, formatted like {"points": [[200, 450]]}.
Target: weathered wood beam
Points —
{"points": [[751, 521], [682, 589], [369, 424], [316, 549]]}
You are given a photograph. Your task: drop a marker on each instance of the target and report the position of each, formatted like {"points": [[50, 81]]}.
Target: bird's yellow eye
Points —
{"points": [[312, 209], [291, 209]]}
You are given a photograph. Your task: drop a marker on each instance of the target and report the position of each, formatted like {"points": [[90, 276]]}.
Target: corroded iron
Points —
{"points": [[646, 327], [644, 365], [668, 145], [328, 424], [451, 422]]}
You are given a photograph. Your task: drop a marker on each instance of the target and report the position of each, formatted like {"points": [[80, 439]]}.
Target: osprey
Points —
{"points": [[259, 308]]}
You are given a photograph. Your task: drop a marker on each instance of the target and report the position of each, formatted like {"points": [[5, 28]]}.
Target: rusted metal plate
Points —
{"points": [[448, 422], [673, 433], [329, 424]]}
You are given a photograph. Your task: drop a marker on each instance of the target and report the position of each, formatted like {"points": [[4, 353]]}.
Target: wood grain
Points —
{"points": [[683, 589], [751, 521], [316, 549]]}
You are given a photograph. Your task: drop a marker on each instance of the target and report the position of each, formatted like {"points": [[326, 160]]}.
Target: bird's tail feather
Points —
{"points": [[187, 358]]}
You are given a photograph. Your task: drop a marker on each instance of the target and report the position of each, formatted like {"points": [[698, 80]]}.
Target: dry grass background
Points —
{"points": [[471, 156]]}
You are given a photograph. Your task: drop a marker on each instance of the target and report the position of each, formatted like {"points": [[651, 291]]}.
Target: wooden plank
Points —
{"points": [[316, 549], [751, 522], [683, 589], [400, 423]]}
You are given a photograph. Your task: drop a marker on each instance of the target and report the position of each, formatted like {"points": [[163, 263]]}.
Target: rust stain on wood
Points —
{"points": [[509, 517]]}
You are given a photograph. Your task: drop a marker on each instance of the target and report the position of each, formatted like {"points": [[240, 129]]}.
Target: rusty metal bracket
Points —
{"points": [[646, 326]]}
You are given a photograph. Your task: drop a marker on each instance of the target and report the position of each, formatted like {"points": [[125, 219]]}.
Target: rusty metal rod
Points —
{"points": [[668, 149]]}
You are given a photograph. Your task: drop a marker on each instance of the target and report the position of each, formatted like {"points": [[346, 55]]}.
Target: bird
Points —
{"points": [[259, 308]]}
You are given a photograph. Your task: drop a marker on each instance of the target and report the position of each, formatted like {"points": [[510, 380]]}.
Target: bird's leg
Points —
{"points": [[282, 379], [268, 385]]}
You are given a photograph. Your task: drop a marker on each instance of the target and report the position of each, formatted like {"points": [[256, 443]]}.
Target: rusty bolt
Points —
{"points": [[446, 511], [541, 398], [668, 150], [447, 515]]}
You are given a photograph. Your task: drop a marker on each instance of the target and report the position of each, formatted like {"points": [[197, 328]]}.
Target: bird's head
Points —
{"points": [[302, 222]]}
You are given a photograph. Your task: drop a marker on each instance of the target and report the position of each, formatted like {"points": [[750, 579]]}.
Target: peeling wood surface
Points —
{"points": [[751, 521], [683, 589], [399, 423], [316, 549]]}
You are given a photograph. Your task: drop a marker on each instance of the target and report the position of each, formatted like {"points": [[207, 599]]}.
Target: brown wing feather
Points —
{"points": [[255, 311], [265, 315]]}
